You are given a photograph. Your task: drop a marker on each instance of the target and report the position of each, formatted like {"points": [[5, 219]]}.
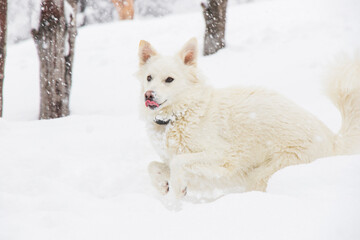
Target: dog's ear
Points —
{"points": [[189, 52], [146, 51]]}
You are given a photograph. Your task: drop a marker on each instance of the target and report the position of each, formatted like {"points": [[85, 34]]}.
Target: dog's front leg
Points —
{"points": [[206, 165], [159, 174], [178, 179]]}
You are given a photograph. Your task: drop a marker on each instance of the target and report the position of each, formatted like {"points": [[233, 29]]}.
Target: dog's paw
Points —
{"points": [[163, 187], [184, 191], [180, 192], [159, 174], [178, 188]]}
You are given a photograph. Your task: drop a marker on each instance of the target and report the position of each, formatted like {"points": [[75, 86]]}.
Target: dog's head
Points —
{"points": [[167, 80]]}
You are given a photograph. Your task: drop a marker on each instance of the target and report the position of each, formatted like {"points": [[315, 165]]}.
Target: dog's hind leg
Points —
{"points": [[159, 174], [258, 177]]}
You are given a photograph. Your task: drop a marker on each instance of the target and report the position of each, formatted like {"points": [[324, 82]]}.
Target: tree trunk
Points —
{"points": [[55, 40], [125, 8], [215, 19], [3, 16]]}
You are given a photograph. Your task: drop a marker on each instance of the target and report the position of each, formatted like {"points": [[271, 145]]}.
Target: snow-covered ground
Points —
{"points": [[84, 176]]}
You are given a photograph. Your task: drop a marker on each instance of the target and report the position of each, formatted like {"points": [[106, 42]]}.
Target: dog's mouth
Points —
{"points": [[153, 105]]}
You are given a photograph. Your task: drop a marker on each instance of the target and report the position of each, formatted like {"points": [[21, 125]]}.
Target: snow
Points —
{"points": [[67, 44], [70, 20], [85, 176], [34, 17], [69, 12]]}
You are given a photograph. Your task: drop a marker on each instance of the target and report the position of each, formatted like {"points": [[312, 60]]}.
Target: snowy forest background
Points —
{"points": [[85, 176], [21, 13]]}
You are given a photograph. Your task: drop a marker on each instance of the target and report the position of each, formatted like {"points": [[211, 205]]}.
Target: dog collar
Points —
{"points": [[161, 122]]}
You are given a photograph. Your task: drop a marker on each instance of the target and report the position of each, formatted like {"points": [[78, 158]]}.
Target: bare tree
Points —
{"points": [[125, 8], [3, 17], [55, 40], [215, 20]]}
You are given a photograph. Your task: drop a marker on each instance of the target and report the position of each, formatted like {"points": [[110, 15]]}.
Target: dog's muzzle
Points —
{"points": [[150, 100]]}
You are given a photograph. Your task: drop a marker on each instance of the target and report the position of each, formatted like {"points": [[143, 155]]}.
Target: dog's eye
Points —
{"points": [[169, 80], [149, 78]]}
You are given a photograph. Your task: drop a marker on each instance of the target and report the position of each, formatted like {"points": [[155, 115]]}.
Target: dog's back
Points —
{"points": [[264, 132]]}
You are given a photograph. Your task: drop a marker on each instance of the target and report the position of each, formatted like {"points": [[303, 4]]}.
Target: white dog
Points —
{"points": [[220, 138]]}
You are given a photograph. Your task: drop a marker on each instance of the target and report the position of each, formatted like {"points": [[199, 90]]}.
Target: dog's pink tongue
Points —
{"points": [[151, 103]]}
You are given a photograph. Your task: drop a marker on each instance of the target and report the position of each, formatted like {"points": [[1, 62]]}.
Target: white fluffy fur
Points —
{"points": [[343, 88], [223, 138]]}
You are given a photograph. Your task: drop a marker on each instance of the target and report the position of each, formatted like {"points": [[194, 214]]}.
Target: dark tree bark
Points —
{"points": [[3, 16], [55, 39], [215, 20]]}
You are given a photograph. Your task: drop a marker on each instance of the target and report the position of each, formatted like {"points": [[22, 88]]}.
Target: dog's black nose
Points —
{"points": [[149, 95]]}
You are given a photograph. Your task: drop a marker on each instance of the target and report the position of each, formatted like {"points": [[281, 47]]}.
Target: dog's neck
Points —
{"points": [[193, 106]]}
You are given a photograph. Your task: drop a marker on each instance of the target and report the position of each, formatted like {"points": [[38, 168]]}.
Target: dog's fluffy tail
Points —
{"points": [[343, 88]]}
